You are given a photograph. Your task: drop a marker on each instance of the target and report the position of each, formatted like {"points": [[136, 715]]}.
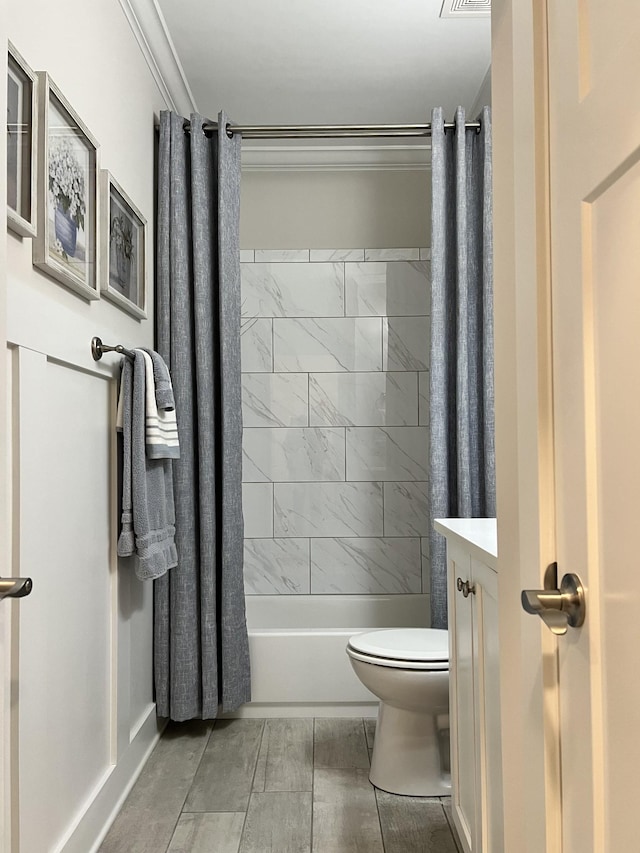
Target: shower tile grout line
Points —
{"points": [[383, 512], [273, 511], [327, 536], [346, 425], [344, 288], [346, 480], [338, 317], [334, 370], [273, 346]]}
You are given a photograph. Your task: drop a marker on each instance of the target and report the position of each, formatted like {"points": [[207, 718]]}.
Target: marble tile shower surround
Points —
{"points": [[335, 363]]}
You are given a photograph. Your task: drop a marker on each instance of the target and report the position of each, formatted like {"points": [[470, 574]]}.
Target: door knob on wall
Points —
{"points": [[15, 587], [561, 608]]}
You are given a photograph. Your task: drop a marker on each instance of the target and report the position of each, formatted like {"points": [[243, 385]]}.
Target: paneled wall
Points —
{"points": [[335, 360], [82, 713]]}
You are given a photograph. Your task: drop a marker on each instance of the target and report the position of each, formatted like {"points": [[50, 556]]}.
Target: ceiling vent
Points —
{"points": [[465, 8]]}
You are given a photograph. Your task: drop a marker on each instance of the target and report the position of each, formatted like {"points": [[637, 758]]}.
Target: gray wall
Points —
{"points": [[326, 209]]}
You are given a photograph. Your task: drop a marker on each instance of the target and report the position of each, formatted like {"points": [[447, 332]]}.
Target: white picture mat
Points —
{"points": [[64, 132]]}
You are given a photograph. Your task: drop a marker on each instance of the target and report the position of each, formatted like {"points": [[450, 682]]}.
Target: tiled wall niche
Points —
{"points": [[335, 360]]}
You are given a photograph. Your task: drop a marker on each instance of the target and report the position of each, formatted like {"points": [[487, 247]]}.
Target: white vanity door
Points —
{"points": [[461, 693], [487, 706]]}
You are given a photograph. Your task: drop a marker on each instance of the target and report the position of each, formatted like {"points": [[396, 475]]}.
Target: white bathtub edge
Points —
{"points": [[296, 667], [297, 645]]}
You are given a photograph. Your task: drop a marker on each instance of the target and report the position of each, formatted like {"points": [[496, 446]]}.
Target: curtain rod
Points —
{"points": [[328, 131]]}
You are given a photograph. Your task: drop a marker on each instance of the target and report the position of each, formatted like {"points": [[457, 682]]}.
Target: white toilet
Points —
{"points": [[408, 670]]}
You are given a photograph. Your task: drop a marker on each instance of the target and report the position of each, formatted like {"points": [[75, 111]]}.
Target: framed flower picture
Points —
{"points": [[65, 244], [22, 119], [122, 248]]}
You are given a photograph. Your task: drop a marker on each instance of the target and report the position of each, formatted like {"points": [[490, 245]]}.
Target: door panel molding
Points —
{"points": [[37, 378], [64, 466]]}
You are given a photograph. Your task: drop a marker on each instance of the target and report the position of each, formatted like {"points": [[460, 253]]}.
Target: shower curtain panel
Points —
{"points": [[462, 453], [201, 652]]}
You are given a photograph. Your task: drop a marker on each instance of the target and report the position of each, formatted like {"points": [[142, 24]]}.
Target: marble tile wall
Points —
{"points": [[335, 363]]}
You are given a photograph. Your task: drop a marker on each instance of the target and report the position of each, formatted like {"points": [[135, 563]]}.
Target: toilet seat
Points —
{"points": [[402, 648]]}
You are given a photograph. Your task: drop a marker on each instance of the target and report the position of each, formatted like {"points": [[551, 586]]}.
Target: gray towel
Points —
{"points": [[148, 514]]}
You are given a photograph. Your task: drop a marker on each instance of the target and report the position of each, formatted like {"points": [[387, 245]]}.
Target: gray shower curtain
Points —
{"points": [[201, 654], [462, 453]]}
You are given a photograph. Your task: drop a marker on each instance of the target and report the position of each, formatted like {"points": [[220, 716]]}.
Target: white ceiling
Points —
{"points": [[327, 61]]}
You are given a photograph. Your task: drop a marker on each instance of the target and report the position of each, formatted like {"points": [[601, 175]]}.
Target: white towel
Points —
{"points": [[161, 430]]}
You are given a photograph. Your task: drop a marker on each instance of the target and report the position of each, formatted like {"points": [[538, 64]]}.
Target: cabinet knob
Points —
{"points": [[465, 587], [559, 609]]}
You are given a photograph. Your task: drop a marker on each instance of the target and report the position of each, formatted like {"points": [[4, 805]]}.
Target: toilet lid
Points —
{"points": [[404, 644]]}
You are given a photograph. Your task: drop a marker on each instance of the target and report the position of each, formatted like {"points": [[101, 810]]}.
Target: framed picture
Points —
{"points": [[65, 243], [22, 120], [122, 248]]}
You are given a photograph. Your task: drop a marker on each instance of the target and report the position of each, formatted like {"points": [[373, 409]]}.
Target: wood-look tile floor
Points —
{"points": [[272, 786]]}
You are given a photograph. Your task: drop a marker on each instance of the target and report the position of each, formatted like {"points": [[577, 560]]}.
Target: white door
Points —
{"points": [[567, 250], [594, 68]]}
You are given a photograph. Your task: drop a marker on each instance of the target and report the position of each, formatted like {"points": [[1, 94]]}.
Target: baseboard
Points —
{"points": [[102, 808], [304, 709]]}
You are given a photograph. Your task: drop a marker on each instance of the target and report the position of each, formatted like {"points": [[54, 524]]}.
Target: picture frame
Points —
{"points": [[22, 141], [123, 232], [65, 245]]}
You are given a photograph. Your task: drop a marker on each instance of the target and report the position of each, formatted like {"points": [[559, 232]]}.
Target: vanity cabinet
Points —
{"points": [[476, 762]]}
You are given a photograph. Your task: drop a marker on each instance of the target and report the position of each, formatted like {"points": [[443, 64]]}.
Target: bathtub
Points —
{"points": [[297, 646]]}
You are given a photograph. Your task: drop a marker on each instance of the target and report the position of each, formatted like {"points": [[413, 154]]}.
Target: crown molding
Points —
{"points": [[150, 30], [319, 158]]}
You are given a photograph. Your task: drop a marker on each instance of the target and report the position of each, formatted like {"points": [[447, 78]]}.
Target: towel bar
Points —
{"points": [[98, 349]]}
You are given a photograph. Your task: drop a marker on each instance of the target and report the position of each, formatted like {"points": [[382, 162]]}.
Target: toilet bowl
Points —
{"points": [[408, 670]]}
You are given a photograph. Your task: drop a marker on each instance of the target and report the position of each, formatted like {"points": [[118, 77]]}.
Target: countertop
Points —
{"points": [[479, 536]]}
